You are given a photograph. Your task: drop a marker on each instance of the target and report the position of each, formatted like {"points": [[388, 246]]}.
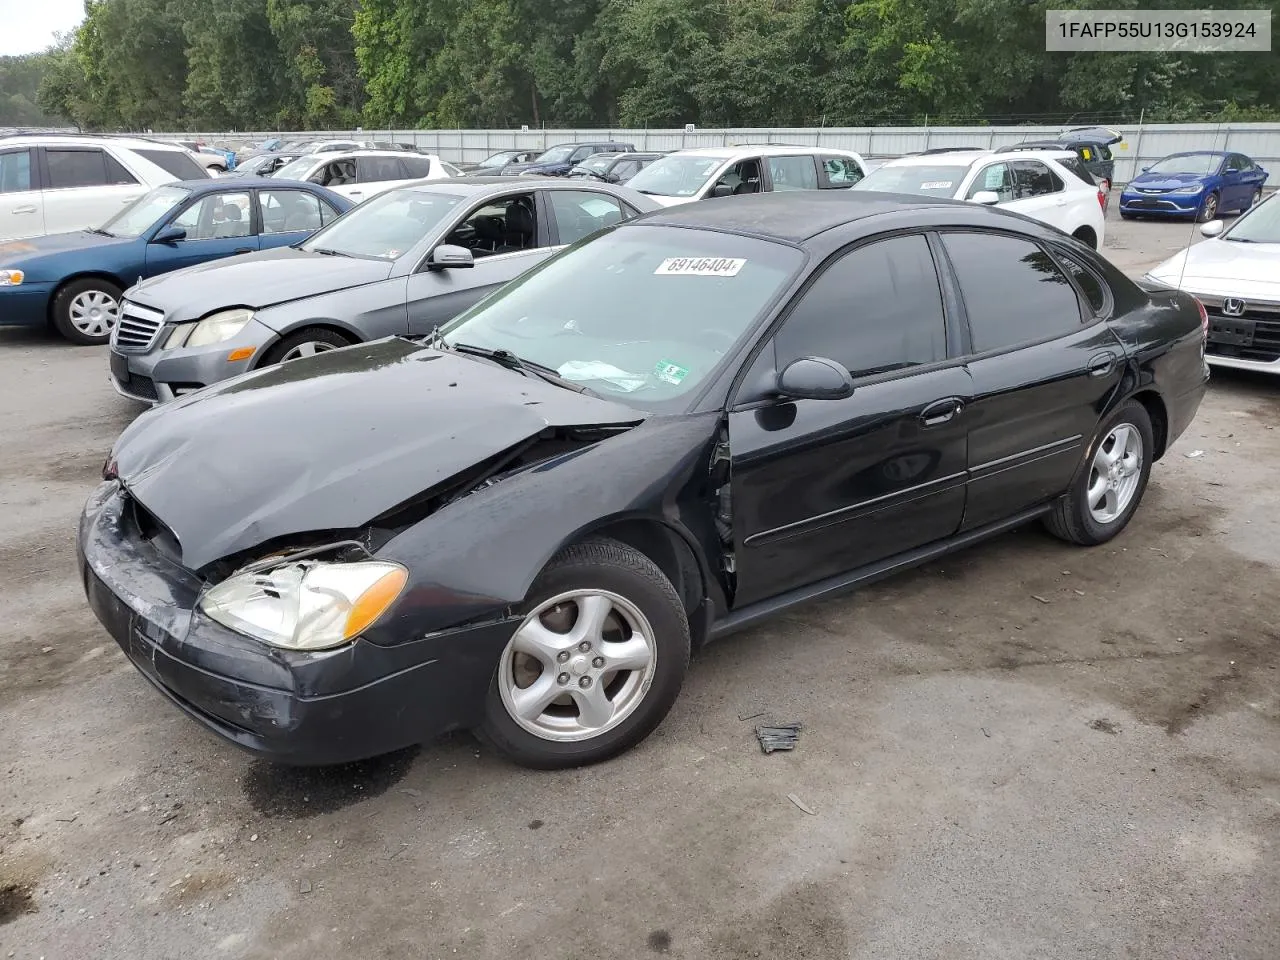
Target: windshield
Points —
{"points": [[253, 163], [644, 313], [556, 154], [675, 176], [1259, 225], [296, 169], [596, 164], [1198, 163], [498, 160], [134, 220], [932, 180], [384, 227]]}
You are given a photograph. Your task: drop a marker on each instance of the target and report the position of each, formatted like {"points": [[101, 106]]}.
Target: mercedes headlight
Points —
{"points": [[219, 327], [1194, 188], [307, 604]]}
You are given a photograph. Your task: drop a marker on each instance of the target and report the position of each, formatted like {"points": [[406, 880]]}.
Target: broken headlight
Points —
{"points": [[306, 604]]}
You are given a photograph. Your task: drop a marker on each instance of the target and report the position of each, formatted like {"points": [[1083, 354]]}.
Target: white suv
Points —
{"points": [[1051, 186], [56, 184], [361, 174], [750, 168]]}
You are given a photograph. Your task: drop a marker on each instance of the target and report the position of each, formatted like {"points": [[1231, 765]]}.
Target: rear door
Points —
{"points": [[376, 174], [289, 216], [21, 201], [792, 173], [217, 225], [1044, 366], [1040, 193], [83, 187], [821, 487]]}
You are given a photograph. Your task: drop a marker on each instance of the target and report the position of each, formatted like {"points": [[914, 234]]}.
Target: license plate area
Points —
{"points": [[1232, 332]]}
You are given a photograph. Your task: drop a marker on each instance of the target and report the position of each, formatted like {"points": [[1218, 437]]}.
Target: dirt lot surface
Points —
{"points": [[1026, 751]]}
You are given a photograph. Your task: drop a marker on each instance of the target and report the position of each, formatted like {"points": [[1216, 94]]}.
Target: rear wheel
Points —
{"points": [[1255, 199], [1103, 498], [1208, 208], [596, 663], [305, 343], [85, 311]]}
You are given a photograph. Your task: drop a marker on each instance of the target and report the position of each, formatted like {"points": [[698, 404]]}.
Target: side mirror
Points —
{"points": [[722, 190], [170, 235], [1212, 229], [447, 256], [815, 378], [986, 197]]}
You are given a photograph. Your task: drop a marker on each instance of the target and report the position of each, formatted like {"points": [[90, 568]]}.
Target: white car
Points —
{"points": [[1236, 275], [360, 174], [688, 175], [1051, 186], [50, 183]]}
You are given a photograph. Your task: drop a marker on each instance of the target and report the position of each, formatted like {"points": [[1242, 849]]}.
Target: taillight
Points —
{"points": [[1102, 199], [1204, 318]]}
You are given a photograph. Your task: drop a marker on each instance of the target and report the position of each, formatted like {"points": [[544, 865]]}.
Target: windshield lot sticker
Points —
{"points": [[936, 185], [578, 370], [669, 372], [699, 267]]}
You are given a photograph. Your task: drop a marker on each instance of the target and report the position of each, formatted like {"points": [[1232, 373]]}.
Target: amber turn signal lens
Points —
{"points": [[240, 353], [374, 602]]}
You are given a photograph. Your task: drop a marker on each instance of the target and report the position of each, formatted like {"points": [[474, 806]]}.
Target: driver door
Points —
{"points": [[217, 224], [506, 235], [741, 177], [822, 487]]}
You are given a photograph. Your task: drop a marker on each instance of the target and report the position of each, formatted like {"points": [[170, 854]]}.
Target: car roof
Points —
{"points": [[756, 150], [968, 158], [1202, 153], [469, 185], [330, 155], [90, 140], [791, 216]]}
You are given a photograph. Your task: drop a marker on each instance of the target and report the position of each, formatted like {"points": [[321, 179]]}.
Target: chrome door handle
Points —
{"points": [[941, 411], [1101, 364], [28, 209]]}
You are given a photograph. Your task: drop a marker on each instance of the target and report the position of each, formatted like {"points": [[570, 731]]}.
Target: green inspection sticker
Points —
{"points": [[669, 372]]}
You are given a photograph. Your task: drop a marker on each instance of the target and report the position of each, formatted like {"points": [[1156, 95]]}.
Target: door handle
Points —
{"points": [[27, 209], [243, 250], [941, 411], [1100, 364]]}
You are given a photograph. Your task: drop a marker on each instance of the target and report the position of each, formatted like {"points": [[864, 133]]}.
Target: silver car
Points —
{"points": [[1236, 275], [401, 263]]}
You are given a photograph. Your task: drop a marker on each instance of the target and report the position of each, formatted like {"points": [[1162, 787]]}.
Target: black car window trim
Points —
{"points": [[1087, 320], [47, 180], [1108, 299], [541, 235], [954, 357]]}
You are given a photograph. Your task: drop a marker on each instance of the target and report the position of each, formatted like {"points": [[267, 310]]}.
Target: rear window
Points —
{"points": [[175, 163], [1075, 165]]}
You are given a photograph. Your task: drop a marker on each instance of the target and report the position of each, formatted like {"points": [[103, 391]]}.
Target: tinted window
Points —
{"points": [[1076, 167], [1013, 291], [15, 171], [1033, 179], [289, 211], [579, 213], [416, 166], [1088, 281], [373, 169], [76, 168], [793, 173], [874, 309], [581, 154], [175, 164], [997, 178], [217, 216], [1104, 151]]}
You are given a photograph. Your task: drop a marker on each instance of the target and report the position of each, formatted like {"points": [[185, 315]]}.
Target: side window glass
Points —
{"points": [[875, 309], [507, 225], [76, 168], [1088, 281], [15, 171], [840, 171], [1086, 154], [1034, 179], [579, 214], [117, 175], [377, 169], [1105, 151], [742, 177], [327, 213], [339, 173], [1013, 290], [995, 178], [416, 166], [217, 216], [289, 211], [793, 173]]}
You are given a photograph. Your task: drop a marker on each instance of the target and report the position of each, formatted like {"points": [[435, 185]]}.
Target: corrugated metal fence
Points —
{"points": [[1143, 144]]}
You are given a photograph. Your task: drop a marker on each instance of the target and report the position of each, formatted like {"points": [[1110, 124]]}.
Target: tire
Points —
{"points": [[557, 733], [1072, 519], [1087, 237], [85, 311], [305, 343], [1254, 200], [1208, 208]]}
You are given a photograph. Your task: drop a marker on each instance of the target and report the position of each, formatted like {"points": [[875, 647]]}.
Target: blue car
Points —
{"points": [[1200, 185], [72, 282]]}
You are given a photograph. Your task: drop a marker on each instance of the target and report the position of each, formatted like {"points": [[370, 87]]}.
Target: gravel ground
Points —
{"points": [[1025, 751]]}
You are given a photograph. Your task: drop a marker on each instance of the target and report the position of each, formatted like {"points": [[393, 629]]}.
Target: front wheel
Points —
{"points": [[1209, 208], [1104, 496], [85, 311], [305, 343], [596, 663]]}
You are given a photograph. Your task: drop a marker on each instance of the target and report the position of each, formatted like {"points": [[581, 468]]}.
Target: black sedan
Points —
{"points": [[671, 430]]}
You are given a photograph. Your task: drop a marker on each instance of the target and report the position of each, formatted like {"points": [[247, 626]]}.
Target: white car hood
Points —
{"points": [[1225, 268]]}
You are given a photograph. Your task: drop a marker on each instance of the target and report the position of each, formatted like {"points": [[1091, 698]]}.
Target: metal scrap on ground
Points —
{"points": [[781, 736]]}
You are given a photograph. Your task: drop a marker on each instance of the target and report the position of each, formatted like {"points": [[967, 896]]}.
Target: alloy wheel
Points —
{"points": [[94, 313], [1115, 473], [308, 349], [579, 665]]}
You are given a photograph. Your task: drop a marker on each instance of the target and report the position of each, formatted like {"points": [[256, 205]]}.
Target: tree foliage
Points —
{"points": [[137, 64]]}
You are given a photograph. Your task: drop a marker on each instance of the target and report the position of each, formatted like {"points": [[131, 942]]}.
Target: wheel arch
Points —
{"points": [[350, 333], [1086, 234], [1159, 414]]}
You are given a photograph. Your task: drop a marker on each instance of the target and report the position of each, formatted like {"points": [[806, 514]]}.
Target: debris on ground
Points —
{"points": [[781, 736], [1036, 596], [801, 804], [1194, 454]]}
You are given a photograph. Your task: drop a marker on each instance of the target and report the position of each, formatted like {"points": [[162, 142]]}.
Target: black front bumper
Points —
{"points": [[299, 708]]}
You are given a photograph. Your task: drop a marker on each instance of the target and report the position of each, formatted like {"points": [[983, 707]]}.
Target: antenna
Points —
{"points": [[1186, 254]]}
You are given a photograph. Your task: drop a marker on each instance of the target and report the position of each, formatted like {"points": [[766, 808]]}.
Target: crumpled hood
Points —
{"points": [[254, 280], [332, 442], [1225, 268], [1165, 181]]}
